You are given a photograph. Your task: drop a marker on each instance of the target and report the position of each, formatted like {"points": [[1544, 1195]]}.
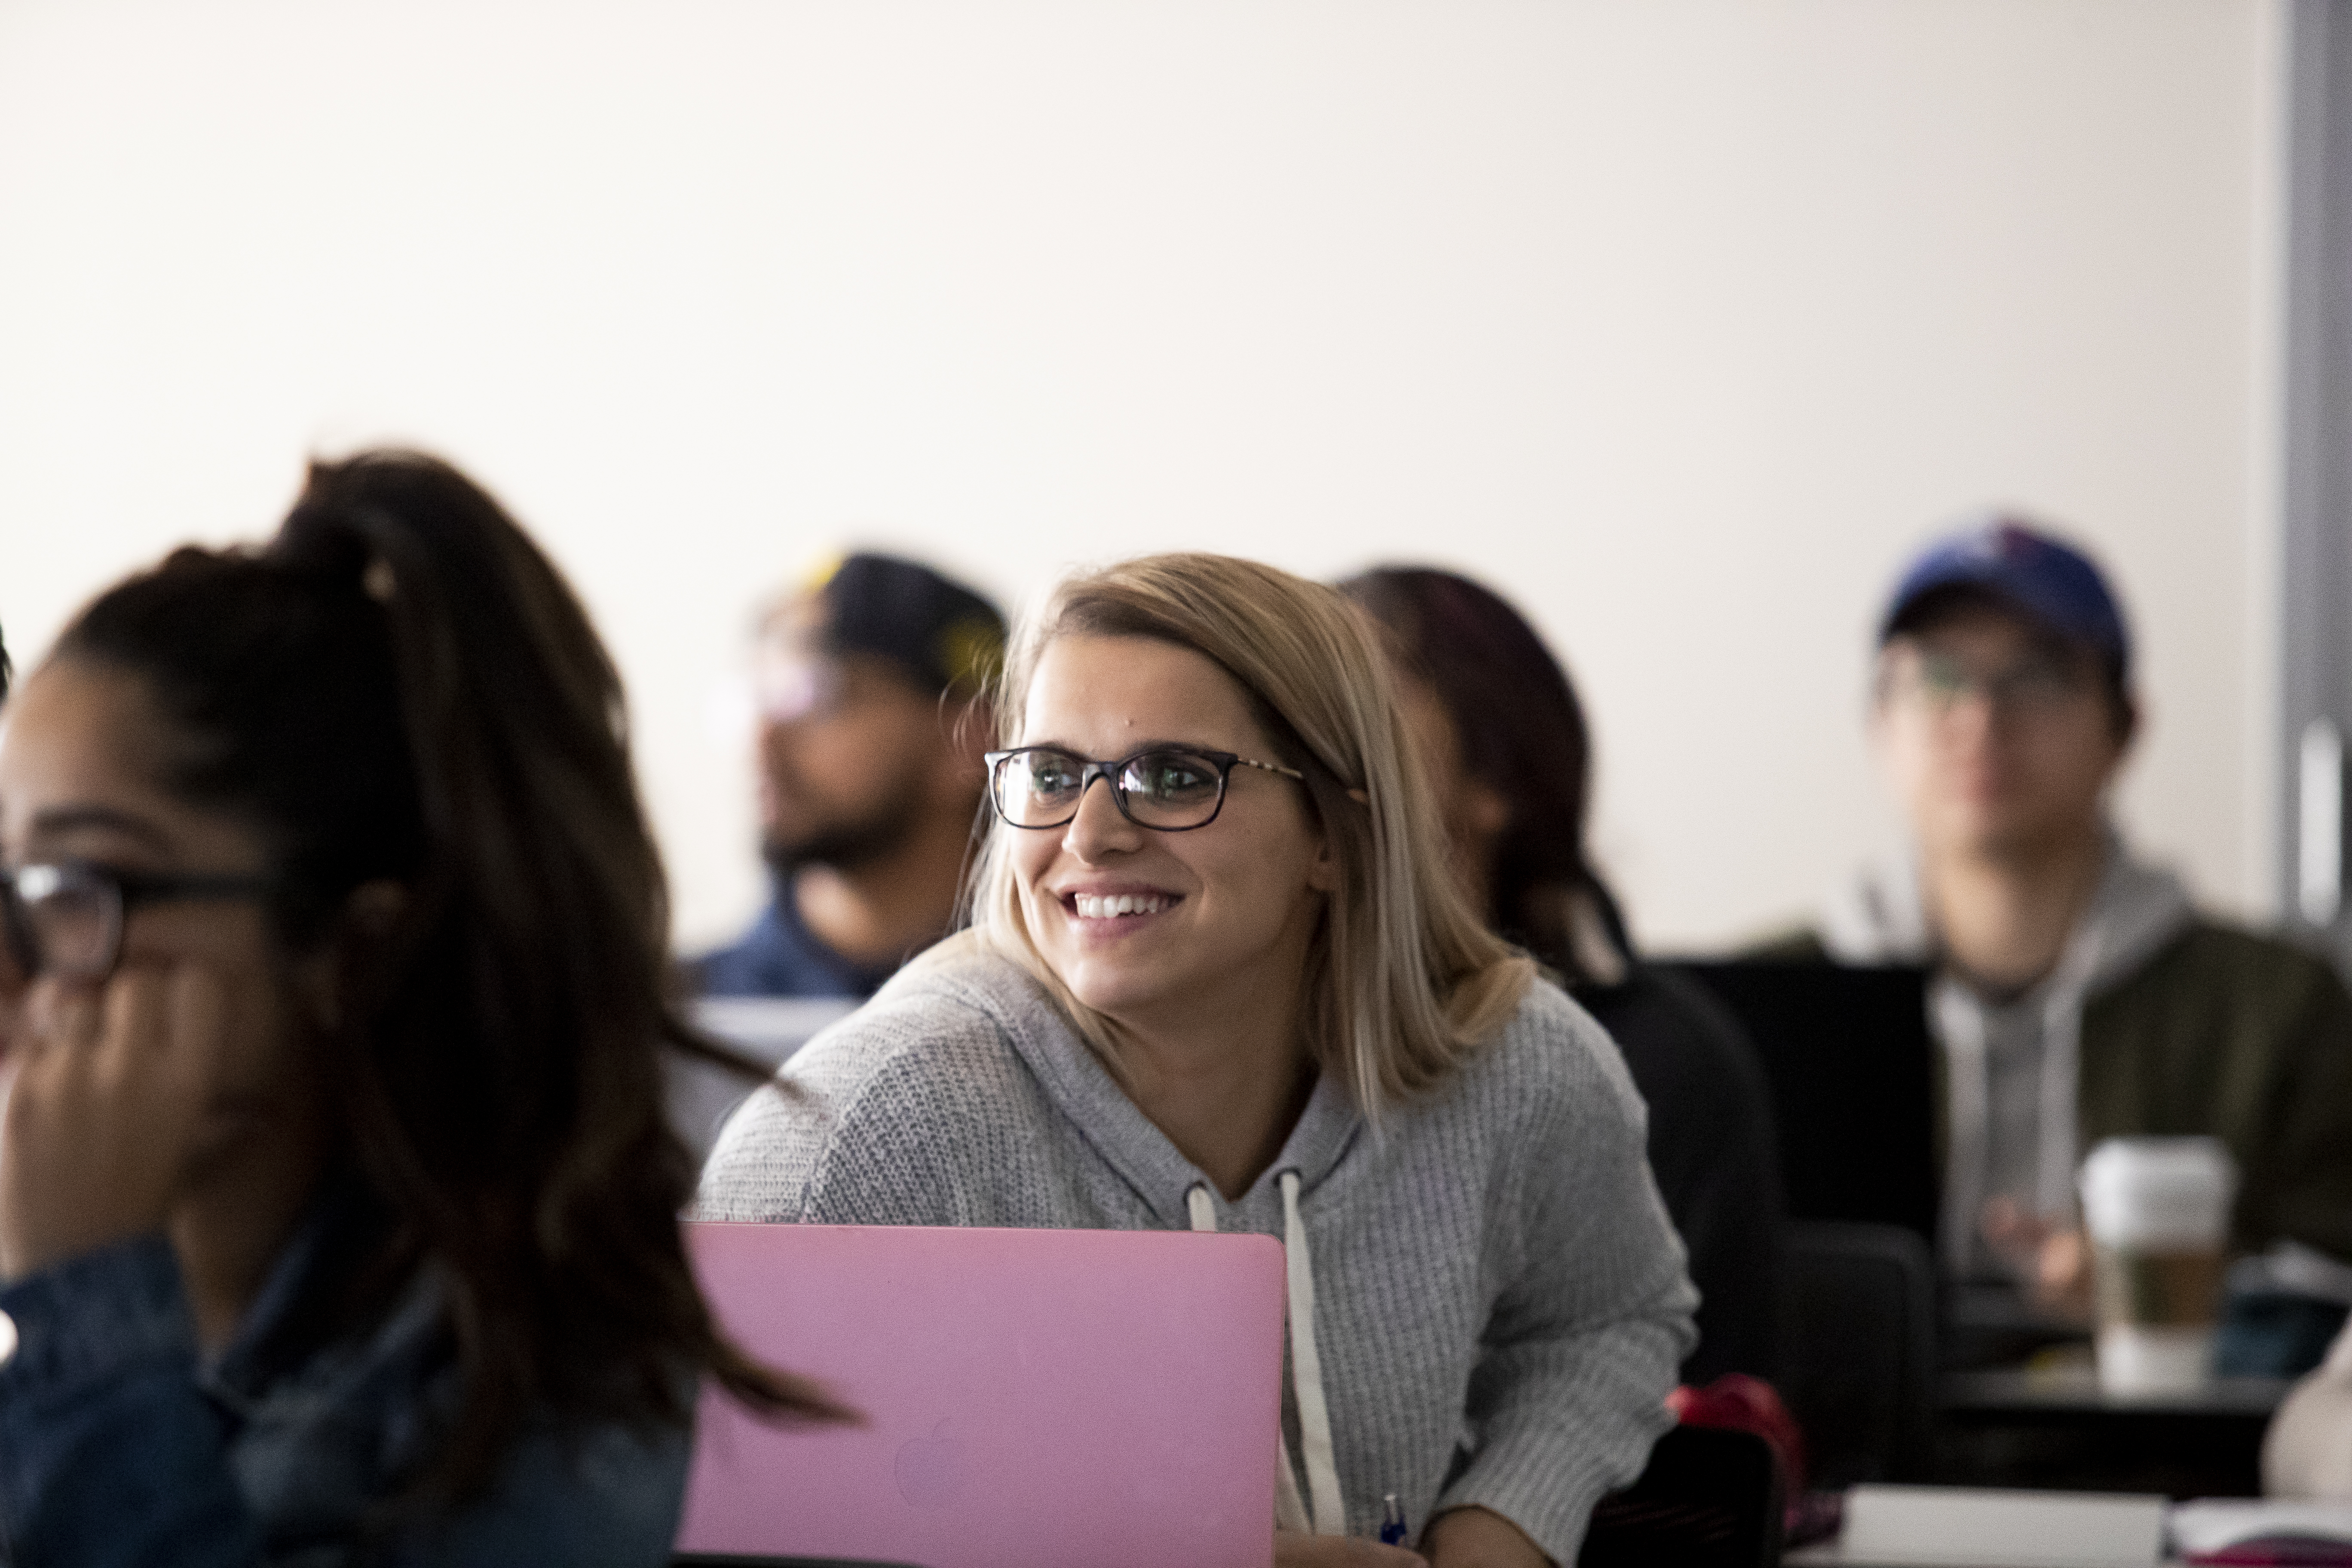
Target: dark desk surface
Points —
{"points": [[2054, 1428], [2073, 1393]]}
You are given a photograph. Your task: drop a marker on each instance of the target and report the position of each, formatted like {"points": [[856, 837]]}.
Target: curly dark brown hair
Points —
{"points": [[400, 687]]}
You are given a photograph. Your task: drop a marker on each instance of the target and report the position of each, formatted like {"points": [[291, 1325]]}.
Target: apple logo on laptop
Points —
{"points": [[930, 1470]]}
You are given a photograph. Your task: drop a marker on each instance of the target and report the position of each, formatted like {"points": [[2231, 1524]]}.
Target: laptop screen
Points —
{"points": [[1846, 1054]]}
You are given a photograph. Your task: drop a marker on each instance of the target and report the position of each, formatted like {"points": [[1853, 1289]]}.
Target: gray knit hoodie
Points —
{"points": [[1496, 1303]]}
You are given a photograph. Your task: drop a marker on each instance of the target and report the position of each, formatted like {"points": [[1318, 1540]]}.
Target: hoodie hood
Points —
{"points": [[1080, 1086], [1881, 916]]}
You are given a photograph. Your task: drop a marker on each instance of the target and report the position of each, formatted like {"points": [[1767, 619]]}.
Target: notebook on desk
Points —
{"points": [[1051, 1398], [1968, 1527]]}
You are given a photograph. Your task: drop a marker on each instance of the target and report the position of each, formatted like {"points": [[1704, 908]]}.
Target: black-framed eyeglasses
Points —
{"points": [[2033, 686], [1169, 789], [63, 917]]}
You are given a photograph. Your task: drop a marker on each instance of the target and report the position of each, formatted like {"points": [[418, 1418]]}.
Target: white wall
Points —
{"points": [[1682, 320]]}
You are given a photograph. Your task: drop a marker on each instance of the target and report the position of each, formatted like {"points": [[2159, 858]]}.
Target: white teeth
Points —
{"points": [[1091, 908]]}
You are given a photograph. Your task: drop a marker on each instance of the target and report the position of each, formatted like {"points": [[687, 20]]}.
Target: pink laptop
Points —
{"points": [[1033, 1398]]}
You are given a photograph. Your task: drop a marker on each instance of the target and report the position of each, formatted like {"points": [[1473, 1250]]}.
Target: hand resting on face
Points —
{"points": [[104, 1091]]}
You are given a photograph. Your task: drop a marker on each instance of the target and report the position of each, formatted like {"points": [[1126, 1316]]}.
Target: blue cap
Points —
{"points": [[2042, 576]]}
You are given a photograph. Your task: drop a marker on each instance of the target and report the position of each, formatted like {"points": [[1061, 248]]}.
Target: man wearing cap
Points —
{"points": [[2078, 995], [872, 723]]}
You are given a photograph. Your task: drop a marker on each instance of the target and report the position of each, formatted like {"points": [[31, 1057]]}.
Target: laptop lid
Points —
{"points": [[1035, 1397], [1847, 1057]]}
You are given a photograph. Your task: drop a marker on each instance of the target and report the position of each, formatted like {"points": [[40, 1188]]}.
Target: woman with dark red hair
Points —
{"points": [[1504, 741]]}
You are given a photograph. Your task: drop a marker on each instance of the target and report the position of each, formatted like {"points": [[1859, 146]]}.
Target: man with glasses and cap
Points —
{"points": [[2078, 993], [872, 723]]}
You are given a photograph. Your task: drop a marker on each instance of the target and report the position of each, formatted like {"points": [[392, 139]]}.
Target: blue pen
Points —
{"points": [[1392, 1522]]}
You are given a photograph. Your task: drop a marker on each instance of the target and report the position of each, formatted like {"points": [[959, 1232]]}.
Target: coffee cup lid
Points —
{"points": [[2159, 1192]]}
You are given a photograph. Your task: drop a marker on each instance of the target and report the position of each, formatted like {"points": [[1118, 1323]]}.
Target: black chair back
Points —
{"points": [[1709, 1499], [1860, 1373]]}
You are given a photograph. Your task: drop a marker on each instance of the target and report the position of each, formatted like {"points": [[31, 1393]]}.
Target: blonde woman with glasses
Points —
{"points": [[1234, 988]]}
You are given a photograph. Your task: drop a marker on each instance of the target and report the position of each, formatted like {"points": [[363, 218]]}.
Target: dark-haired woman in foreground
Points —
{"points": [[337, 1205], [1510, 759]]}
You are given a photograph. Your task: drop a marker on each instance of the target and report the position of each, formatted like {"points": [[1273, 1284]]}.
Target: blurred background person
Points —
{"points": [[2078, 994], [870, 682], [1509, 757]]}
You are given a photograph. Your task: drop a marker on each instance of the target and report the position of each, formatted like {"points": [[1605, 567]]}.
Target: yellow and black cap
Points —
{"points": [[945, 636]]}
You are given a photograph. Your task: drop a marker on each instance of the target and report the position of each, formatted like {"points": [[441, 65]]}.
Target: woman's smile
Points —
{"points": [[1102, 917], [1116, 905]]}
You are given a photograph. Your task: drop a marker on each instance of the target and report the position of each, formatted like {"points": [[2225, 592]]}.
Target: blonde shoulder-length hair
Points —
{"points": [[1403, 979]]}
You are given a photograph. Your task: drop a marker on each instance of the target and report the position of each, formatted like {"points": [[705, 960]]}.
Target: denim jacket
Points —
{"points": [[120, 1444]]}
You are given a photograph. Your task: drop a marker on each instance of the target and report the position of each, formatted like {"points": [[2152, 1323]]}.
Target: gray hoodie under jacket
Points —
{"points": [[1496, 1303], [2011, 1065]]}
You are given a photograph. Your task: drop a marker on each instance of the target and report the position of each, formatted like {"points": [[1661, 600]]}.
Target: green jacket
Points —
{"points": [[2231, 1035]]}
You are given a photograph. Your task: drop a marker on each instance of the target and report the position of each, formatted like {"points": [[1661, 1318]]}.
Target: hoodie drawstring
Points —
{"points": [[1959, 1022], [1967, 1115], [1328, 1515], [2062, 1052], [1203, 1211], [1307, 1371]]}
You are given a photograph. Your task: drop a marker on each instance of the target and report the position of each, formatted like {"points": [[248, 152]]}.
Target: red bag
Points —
{"points": [[1745, 1404]]}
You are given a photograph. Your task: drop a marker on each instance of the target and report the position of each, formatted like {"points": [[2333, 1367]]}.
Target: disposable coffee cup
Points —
{"points": [[2159, 1213]]}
